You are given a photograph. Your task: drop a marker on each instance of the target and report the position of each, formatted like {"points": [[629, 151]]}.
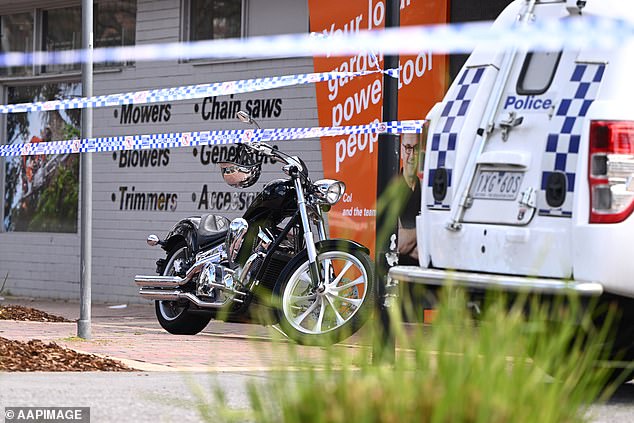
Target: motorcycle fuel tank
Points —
{"points": [[276, 196]]}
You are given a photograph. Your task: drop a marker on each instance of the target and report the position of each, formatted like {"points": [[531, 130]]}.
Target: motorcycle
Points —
{"points": [[277, 257]]}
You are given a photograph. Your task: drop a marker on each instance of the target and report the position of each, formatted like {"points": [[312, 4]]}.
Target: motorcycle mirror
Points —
{"points": [[244, 116], [153, 240]]}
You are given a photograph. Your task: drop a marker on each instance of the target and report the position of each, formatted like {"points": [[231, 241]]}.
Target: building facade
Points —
{"points": [[137, 192]]}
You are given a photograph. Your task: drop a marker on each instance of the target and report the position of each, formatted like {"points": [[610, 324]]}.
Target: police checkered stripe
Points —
{"points": [[443, 142], [192, 139], [184, 92], [562, 143]]}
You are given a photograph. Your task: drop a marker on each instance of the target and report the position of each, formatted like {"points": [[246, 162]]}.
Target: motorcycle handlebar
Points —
{"points": [[271, 152]]}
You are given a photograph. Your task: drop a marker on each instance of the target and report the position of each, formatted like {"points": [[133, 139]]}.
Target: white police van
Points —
{"points": [[529, 169]]}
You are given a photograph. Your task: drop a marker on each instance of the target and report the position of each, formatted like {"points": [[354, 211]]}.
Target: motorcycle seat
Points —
{"points": [[212, 228]]}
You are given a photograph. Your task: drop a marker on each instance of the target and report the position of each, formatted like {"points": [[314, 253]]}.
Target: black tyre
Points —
{"points": [[333, 311], [175, 316]]}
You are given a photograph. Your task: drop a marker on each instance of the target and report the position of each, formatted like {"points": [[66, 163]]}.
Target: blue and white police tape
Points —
{"points": [[193, 139], [186, 92], [543, 34]]}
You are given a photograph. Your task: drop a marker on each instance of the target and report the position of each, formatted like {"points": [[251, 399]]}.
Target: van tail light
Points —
{"points": [[611, 171]]}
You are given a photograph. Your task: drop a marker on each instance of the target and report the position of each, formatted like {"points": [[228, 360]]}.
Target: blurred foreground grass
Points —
{"points": [[511, 365]]}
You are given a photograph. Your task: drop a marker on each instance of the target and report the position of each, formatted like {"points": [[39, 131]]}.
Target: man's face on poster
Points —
{"points": [[409, 154]]}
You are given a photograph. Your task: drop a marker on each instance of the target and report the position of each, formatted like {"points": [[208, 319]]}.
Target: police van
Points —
{"points": [[529, 169]]}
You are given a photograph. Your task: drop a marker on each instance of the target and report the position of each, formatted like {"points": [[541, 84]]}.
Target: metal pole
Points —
{"points": [[83, 324], [387, 171]]}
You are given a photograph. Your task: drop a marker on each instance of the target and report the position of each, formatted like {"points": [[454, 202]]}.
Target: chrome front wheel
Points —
{"points": [[333, 310]]}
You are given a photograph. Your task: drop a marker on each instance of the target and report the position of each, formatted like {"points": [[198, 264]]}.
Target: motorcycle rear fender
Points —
{"points": [[186, 230]]}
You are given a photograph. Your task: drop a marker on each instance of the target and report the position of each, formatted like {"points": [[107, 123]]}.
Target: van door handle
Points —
{"points": [[529, 198], [509, 123]]}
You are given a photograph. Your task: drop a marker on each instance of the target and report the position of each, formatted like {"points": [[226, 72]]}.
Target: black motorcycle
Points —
{"points": [[277, 257]]}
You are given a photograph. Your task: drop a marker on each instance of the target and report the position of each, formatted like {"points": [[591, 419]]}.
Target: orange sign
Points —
{"points": [[423, 78], [353, 101]]}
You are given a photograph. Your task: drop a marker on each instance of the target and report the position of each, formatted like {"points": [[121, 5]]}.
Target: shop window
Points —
{"points": [[214, 19], [60, 29], [16, 34], [115, 24], [41, 191]]}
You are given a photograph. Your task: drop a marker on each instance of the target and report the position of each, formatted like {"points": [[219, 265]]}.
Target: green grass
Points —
{"points": [[510, 365]]}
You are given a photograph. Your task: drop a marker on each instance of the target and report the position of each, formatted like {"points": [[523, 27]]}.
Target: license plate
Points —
{"points": [[497, 185]]}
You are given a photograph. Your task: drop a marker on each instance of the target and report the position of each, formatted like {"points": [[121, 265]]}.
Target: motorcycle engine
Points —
{"points": [[213, 280]]}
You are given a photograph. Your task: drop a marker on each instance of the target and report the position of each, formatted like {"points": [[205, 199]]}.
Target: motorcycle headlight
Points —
{"points": [[329, 191]]}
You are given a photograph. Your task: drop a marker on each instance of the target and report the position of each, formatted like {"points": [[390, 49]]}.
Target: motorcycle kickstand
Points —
{"points": [[277, 328]]}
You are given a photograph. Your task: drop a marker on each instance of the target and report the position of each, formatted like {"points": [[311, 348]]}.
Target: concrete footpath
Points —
{"points": [[131, 334]]}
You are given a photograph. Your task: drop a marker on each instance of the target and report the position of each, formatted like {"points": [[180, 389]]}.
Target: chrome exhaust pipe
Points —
{"points": [[152, 281], [158, 281], [165, 295], [158, 294]]}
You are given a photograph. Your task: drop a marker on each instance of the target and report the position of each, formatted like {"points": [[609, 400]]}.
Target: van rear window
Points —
{"points": [[538, 72]]}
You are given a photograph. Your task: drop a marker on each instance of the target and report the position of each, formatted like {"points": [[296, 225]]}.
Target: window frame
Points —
{"points": [[35, 41], [527, 60], [185, 35], [5, 84], [114, 66], [43, 25], [38, 71], [37, 76]]}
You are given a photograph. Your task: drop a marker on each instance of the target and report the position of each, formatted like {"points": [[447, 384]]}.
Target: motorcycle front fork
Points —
{"points": [[309, 239]]}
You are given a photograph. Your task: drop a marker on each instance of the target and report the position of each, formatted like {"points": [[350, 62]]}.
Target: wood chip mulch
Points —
{"points": [[37, 356], [17, 312]]}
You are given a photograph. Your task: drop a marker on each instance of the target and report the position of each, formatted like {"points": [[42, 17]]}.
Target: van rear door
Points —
{"points": [[519, 207], [529, 163]]}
